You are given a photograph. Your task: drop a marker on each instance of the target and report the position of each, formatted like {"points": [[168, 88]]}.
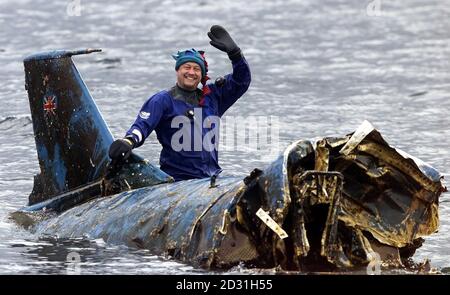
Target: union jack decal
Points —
{"points": [[50, 104]]}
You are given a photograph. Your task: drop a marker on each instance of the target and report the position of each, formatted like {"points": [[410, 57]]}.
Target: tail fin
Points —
{"points": [[72, 139]]}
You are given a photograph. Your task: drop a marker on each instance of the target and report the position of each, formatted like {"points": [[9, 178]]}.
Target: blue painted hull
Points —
{"points": [[330, 205]]}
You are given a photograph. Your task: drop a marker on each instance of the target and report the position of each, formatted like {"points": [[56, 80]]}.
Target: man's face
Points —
{"points": [[189, 75]]}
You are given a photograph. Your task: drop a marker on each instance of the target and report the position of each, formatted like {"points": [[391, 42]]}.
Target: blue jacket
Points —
{"points": [[157, 113]]}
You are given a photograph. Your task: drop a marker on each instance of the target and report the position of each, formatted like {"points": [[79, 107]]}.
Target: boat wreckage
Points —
{"points": [[333, 204]]}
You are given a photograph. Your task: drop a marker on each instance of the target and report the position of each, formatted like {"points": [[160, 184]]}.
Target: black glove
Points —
{"points": [[222, 41], [120, 149]]}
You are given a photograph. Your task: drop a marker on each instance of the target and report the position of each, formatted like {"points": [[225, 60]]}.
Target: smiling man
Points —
{"points": [[196, 107]]}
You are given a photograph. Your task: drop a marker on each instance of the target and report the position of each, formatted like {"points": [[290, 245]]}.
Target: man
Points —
{"points": [[163, 110]]}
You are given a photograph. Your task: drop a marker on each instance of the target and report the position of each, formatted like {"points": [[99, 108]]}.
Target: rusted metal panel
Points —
{"points": [[370, 200], [327, 206]]}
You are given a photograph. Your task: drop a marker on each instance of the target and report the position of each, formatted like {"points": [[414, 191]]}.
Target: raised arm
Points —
{"points": [[237, 83]]}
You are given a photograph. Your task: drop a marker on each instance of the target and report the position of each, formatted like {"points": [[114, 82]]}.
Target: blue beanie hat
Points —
{"points": [[190, 55]]}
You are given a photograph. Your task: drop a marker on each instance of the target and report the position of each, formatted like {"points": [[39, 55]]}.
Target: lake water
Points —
{"points": [[319, 68]]}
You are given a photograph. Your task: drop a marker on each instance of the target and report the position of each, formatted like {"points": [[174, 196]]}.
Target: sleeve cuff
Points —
{"points": [[236, 55]]}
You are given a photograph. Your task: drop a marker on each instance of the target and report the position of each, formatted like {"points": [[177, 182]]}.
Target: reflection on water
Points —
{"points": [[53, 256], [320, 67]]}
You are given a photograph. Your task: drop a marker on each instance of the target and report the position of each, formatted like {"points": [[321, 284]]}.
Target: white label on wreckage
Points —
{"points": [[251, 134]]}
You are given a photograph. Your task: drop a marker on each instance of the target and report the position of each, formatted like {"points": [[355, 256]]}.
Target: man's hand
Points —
{"points": [[222, 41], [120, 149]]}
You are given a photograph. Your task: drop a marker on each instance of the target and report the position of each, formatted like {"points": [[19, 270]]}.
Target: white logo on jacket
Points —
{"points": [[144, 115]]}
